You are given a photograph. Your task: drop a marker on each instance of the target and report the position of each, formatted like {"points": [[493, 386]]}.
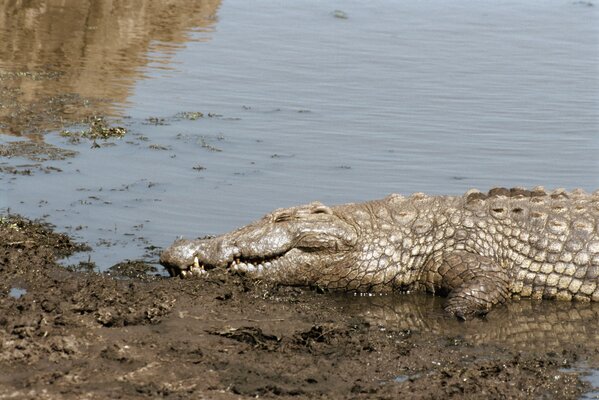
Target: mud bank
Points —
{"points": [[69, 335]]}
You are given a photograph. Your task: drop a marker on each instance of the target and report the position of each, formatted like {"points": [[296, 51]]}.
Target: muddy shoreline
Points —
{"points": [[131, 333], [70, 334]]}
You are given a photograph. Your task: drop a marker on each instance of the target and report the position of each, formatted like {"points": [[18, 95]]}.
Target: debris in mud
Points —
{"points": [[98, 129], [83, 266], [9, 223], [225, 296], [132, 269], [20, 233], [317, 333], [250, 335]]}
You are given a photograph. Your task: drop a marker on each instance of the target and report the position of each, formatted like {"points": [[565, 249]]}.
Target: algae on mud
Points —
{"points": [[98, 128]]}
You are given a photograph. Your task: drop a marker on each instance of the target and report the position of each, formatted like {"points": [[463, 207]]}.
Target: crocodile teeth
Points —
{"points": [[197, 271], [249, 267], [238, 264]]}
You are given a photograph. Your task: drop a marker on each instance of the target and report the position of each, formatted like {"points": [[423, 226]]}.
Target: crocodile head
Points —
{"points": [[294, 245]]}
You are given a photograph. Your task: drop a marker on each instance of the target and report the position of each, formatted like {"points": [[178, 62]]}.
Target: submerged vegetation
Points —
{"points": [[98, 129]]}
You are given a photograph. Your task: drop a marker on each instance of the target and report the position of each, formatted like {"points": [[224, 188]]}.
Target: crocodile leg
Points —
{"points": [[474, 283]]}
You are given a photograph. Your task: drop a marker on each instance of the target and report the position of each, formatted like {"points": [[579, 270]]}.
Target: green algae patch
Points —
{"points": [[190, 115], [98, 129]]}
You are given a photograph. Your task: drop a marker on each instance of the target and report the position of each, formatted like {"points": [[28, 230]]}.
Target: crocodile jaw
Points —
{"points": [[295, 238], [181, 259]]}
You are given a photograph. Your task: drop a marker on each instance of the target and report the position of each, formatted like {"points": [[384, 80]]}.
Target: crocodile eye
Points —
{"points": [[282, 217], [322, 210]]}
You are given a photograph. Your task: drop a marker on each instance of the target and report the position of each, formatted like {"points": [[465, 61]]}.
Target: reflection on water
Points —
{"points": [[525, 325], [76, 51], [519, 324]]}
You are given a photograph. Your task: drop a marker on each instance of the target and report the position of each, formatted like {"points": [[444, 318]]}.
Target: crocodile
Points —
{"points": [[479, 249]]}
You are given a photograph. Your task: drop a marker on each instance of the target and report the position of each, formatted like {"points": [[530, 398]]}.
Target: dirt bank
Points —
{"points": [[72, 335]]}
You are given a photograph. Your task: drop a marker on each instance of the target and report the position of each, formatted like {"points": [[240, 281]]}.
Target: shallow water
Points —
{"points": [[408, 97], [592, 377], [16, 292], [552, 327], [519, 324]]}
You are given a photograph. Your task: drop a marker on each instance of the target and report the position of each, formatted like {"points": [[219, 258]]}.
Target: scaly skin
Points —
{"points": [[478, 249]]}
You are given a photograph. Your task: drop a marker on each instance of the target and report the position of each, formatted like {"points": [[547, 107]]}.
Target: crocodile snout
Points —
{"points": [[179, 256]]}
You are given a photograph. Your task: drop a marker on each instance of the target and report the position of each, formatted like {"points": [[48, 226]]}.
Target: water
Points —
{"points": [[520, 324], [16, 292], [546, 326], [592, 377]]}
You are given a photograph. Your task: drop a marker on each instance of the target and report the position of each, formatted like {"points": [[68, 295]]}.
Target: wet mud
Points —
{"points": [[129, 333]]}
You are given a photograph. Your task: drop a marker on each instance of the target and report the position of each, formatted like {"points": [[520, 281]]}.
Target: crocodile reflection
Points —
{"points": [[541, 324], [57, 56]]}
